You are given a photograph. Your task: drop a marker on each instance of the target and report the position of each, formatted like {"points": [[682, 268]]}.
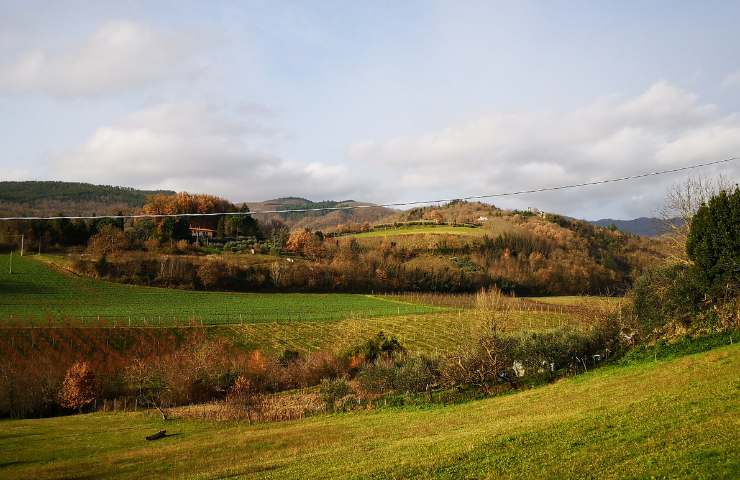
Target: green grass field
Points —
{"points": [[35, 290], [675, 418], [273, 322]]}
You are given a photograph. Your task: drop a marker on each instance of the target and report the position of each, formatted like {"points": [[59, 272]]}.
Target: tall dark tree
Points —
{"points": [[714, 240], [175, 228], [242, 225], [221, 227]]}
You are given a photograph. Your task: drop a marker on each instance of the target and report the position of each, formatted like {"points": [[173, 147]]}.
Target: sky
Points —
{"points": [[372, 101]]}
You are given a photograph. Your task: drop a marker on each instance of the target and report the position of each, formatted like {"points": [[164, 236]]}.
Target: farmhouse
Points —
{"points": [[200, 233]]}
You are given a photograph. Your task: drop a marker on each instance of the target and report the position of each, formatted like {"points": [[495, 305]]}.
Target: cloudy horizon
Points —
{"points": [[382, 103]]}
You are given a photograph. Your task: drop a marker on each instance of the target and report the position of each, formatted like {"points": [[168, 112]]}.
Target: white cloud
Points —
{"points": [[661, 128], [232, 151], [198, 148], [118, 56]]}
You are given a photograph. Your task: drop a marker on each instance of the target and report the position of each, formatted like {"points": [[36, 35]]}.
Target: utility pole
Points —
{"points": [[11, 262], [22, 235]]}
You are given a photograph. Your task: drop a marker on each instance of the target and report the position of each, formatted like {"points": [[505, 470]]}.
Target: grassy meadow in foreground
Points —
{"points": [[35, 290], [674, 418]]}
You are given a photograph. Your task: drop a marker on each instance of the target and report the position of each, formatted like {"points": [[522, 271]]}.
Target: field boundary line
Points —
{"points": [[411, 304]]}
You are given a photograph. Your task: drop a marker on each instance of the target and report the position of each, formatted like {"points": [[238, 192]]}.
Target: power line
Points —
{"points": [[396, 204]]}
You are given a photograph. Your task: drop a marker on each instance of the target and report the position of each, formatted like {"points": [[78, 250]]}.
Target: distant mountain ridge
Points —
{"points": [[644, 226]]}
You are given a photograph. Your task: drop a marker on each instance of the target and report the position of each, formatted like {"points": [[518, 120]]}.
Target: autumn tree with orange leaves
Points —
{"points": [[79, 387], [186, 203], [306, 243]]}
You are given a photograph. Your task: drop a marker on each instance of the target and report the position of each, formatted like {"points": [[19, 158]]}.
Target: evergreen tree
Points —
{"points": [[714, 240]]}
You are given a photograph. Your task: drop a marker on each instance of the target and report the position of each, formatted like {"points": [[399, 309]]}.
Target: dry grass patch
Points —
{"points": [[281, 407]]}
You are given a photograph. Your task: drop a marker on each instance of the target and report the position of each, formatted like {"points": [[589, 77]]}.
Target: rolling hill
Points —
{"points": [[71, 198], [323, 219], [26, 198], [37, 198]]}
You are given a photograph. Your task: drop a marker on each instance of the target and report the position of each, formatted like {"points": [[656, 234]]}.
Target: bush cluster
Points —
{"points": [[702, 294]]}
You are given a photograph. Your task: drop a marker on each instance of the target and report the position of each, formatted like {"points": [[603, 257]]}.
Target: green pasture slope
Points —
{"points": [[677, 418], [34, 291]]}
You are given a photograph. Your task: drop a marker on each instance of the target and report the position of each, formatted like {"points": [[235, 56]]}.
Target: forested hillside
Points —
{"points": [[71, 198]]}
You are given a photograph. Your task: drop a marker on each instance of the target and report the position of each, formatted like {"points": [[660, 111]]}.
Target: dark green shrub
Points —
{"points": [[714, 241], [661, 295], [102, 266], [375, 347]]}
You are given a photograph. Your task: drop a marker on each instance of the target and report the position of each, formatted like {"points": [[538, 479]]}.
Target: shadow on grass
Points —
{"points": [[19, 286], [14, 463]]}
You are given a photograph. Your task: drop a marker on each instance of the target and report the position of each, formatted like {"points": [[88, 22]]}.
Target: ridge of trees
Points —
{"points": [[75, 198]]}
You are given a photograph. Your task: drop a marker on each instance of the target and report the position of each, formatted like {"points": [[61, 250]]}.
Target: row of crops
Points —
{"points": [[434, 333]]}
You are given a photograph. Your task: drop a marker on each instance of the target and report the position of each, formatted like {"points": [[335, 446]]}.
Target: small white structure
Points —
{"points": [[482, 219], [536, 211]]}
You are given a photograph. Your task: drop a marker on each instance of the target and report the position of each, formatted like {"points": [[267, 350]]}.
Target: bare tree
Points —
{"points": [[480, 362], [246, 398], [151, 387], [492, 308], [682, 200]]}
